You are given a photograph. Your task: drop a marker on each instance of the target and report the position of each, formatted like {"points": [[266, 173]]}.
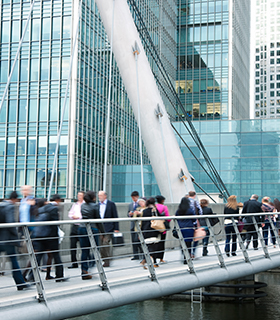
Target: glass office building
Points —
{"points": [[30, 117], [246, 154], [266, 59], [213, 58]]}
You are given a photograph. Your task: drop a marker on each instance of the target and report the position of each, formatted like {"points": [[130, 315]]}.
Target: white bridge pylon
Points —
{"points": [[162, 146]]}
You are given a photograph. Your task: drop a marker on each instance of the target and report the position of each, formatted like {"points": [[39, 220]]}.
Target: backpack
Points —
{"points": [[42, 231]]}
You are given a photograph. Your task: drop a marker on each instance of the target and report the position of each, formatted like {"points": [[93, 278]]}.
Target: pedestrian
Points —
{"points": [[89, 210], [75, 214], [107, 209], [136, 245], [195, 206], [163, 211], [138, 213], [268, 207], [206, 211], [50, 238], [231, 208], [9, 238], [252, 206], [151, 236], [186, 225]]}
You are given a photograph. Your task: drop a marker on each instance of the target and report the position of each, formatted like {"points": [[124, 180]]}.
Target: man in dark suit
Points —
{"points": [[9, 237], [252, 206], [107, 209]]}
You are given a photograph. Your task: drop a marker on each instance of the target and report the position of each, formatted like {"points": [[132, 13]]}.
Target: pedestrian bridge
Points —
{"points": [[126, 281]]}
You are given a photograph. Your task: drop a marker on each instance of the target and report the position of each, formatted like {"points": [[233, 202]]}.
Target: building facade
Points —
{"points": [[266, 59], [246, 154], [29, 119], [213, 58]]}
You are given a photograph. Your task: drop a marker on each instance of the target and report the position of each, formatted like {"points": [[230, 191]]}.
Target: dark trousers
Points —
{"points": [[153, 250], [53, 246], [266, 228], [252, 233], [11, 251], [230, 235], [85, 246], [189, 246], [161, 246], [136, 246], [74, 239]]}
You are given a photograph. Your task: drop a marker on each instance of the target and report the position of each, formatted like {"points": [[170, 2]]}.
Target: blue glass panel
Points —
{"points": [[187, 154], [248, 189], [34, 70], [230, 151], [35, 29], [233, 189], [251, 138], [9, 178], [271, 190], [12, 110], [251, 163], [230, 139], [230, 164], [271, 137], [30, 177], [2, 147], [251, 176], [250, 125], [270, 163], [270, 150], [3, 71], [213, 152], [271, 176], [251, 151], [210, 139], [270, 124], [230, 176], [192, 165]]}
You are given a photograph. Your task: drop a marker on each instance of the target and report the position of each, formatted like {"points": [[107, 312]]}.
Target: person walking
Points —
{"points": [[9, 239], [89, 210], [75, 214], [206, 211], [186, 225], [268, 207], [50, 241], [132, 212], [107, 210], [230, 208], [163, 211], [252, 206]]}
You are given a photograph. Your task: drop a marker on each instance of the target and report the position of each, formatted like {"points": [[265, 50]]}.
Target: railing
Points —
{"points": [[123, 270]]}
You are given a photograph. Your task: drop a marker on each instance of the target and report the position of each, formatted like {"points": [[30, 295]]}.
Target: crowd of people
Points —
{"points": [[46, 238]]}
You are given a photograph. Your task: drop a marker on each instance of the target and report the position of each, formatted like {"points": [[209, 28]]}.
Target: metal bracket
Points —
{"points": [[34, 265], [104, 282], [240, 241], [216, 245], [265, 250], [275, 231]]}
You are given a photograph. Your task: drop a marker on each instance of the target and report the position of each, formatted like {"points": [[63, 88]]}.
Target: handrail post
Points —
{"points": [[216, 245], [145, 249], [265, 250], [184, 248], [100, 268], [240, 241], [34, 265]]}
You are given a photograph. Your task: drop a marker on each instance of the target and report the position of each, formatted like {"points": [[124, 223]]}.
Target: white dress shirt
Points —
{"points": [[102, 208]]}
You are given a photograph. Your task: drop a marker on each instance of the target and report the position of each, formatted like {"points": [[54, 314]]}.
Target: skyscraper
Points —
{"points": [[213, 58], [30, 116], [266, 59]]}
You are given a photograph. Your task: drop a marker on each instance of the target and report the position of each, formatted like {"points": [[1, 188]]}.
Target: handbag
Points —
{"points": [[199, 234], [175, 233], [117, 239], [240, 225], [158, 225], [214, 221]]}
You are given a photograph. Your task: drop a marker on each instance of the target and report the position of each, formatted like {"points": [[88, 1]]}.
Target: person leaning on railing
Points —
{"points": [[89, 210]]}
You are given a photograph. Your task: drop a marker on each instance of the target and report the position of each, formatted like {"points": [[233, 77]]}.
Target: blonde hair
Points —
{"points": [[266, 199], [231, 202]]}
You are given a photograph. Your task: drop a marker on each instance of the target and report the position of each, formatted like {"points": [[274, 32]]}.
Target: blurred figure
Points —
{"points": [[151, 236], [138, 213], [268, 207], [26, 207], [186, 225], [231, 208], [136, 245], [75, 214], [9, 237], [206, 211], [163, 211], [107, 209], [89, 210]]}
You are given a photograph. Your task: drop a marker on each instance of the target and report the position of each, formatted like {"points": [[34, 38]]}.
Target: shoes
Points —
{"points": [[25, 286], [274, 246], [234, 254], [162, 261], [49, 278], [247, 245], [61, 279], [74, 266], [135, 258], [156, 265], [192, 256], [106, 264], [256, 249], [227, 253], [185, 262], [86, 276]]}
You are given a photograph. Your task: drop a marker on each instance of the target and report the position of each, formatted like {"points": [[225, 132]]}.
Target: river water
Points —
{"points": [[267, 308]]}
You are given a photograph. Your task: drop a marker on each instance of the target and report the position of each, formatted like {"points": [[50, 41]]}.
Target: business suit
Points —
{"points": [[110, 211], [252, 206]]}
